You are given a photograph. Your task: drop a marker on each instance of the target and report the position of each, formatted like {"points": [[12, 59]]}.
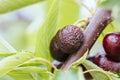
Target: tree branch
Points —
{"points": [[97, 24]]}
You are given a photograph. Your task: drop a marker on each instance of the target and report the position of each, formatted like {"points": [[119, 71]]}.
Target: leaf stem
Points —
{"points": [[92, 70], [97, 70], [82, 23], [44, 60]]}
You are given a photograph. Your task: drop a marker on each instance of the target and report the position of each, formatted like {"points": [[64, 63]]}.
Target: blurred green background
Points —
{"points": [[19, 27]]}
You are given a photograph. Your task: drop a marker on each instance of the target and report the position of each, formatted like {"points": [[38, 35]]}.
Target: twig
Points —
{"points": [[97, 24]]}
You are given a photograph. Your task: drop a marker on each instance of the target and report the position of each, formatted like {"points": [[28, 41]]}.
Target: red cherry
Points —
{"points": [[105, 63], [111, 44]]}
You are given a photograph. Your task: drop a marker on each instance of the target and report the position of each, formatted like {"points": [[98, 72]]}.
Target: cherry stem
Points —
{"points": [[97, 24]]}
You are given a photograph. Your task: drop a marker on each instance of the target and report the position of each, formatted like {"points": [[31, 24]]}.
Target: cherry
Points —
{"points": [[104, 62], [67, 41], [56, 52], [70, 38], [111, 44]]}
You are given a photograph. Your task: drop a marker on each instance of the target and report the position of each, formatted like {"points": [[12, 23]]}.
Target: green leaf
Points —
{"points": [[21, 76], [8, 5], [116, 12], [45, 76], [114, 76], [7, 53], [71, 74], [97, 73], [29, 73], [29, 69], [42, 62], [109, 3], [6, 77], [33, 63], [114, 6], [47, 31], [81, 60], [9, 63], [69, 12]]}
